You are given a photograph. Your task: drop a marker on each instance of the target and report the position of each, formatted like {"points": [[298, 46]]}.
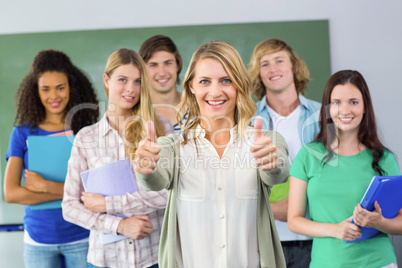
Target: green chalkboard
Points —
{"points": [[89, 50]]}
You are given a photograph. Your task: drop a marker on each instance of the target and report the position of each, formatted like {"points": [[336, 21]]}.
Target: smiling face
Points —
{"points": [[214, 90], [162, 72], [276, 72], [124, 86], [347, 108], [54, 92]]}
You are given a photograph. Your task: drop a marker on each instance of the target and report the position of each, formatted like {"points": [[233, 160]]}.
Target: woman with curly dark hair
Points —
{"points": [[30, 109], [55, 97]]}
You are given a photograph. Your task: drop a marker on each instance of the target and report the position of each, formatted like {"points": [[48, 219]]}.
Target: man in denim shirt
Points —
{"points": [[279, 77]]}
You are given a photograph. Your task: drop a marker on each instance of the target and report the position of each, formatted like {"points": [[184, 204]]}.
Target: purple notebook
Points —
{"points": [[113, 179]]}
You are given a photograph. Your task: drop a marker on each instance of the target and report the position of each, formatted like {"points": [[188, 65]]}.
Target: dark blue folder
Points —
{"points": [[387, 191]]}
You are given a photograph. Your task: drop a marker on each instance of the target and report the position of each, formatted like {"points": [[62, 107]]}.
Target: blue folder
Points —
{"points": [[113, 179], [48, 156], [387, 191]]}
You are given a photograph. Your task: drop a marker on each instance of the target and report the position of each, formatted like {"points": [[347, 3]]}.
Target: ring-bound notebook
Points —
{"points": [[387, 191]]}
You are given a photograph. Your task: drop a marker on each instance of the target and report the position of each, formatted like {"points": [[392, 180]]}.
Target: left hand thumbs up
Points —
{"points": [[263, 149]]}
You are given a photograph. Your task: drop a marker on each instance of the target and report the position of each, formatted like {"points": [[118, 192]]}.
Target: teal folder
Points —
{"points": [[386, 190], [48, 156]]}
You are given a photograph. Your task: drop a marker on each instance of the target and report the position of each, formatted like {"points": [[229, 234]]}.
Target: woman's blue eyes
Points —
{"points": [[124, 80], [226, 81], [223, 81]]}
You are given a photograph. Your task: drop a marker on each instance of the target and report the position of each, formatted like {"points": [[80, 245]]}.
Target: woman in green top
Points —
{"points": [[332, 174]]}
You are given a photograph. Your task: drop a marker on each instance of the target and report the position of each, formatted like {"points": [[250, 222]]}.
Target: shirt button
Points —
{"points": [[223, 246], [130, 242], [222, 216], [219, 187]]}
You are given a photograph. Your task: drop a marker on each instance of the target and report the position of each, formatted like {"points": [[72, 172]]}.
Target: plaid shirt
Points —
{"points": [[95, 146]]}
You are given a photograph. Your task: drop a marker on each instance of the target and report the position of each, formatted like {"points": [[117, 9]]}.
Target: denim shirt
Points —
{"points": [[308, 121]]}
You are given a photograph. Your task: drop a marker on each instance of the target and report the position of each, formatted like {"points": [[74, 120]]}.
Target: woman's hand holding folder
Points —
{"points": [[94, 202], [345, 230], [365, 218]]}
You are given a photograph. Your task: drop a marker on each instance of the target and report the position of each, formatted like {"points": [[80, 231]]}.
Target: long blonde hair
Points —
{"points": [[231, 61], [143, 110]]}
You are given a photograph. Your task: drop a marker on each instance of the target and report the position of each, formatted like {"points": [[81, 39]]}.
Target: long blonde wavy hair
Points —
{"points": [[143, 110], [231, 61]]}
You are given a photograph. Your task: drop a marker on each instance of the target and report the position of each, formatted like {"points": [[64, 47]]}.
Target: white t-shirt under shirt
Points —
{"points": [[288, 126]]}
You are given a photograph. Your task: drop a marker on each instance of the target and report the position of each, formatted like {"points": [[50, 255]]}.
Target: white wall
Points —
{"points": [[366, 35]]}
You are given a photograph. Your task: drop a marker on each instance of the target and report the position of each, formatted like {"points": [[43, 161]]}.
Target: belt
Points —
{"points": [[296, 243]]}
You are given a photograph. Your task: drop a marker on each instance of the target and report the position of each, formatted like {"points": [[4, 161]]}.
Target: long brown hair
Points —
{"points": [[367, 134]]}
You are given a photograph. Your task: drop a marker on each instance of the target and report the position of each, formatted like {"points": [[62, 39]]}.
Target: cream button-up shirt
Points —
{"points": [[217, 204]]}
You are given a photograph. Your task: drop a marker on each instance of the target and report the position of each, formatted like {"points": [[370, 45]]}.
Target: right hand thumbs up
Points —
{"points": [[151, 131], [147, 154]]}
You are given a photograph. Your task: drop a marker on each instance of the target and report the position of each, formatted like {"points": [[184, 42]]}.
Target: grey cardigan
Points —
{"points": [[166, 176]]}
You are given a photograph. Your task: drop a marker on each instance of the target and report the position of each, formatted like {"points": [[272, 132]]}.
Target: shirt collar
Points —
{"points": [[104, 126], [263, 103], [196, 132], [304, 102], [199, 132]]}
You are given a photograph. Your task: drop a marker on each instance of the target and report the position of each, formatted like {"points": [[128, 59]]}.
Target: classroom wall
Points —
{"points": [[365, 35]]}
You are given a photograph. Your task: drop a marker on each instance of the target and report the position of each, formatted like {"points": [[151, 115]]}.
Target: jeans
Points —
{"points": [[74, 255], [93, 266]]}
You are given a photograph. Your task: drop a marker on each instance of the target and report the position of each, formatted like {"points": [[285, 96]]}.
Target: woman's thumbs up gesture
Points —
{"points": [[263, 149], [147, 154]]}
